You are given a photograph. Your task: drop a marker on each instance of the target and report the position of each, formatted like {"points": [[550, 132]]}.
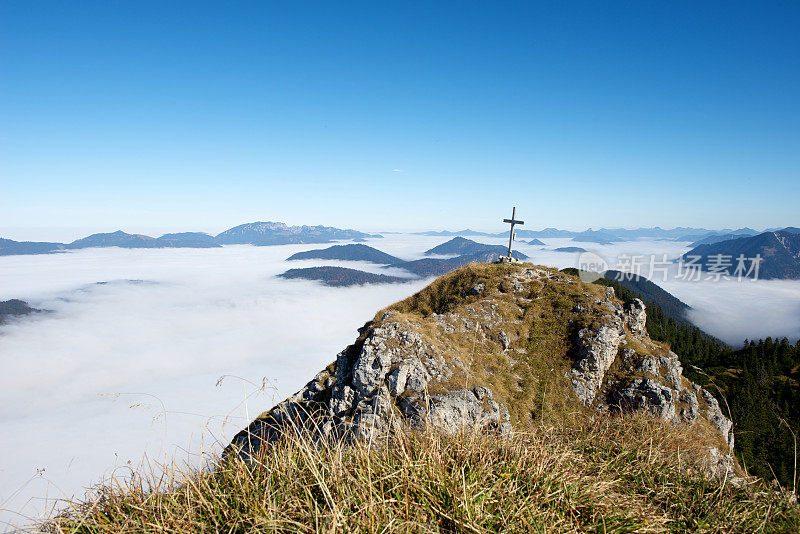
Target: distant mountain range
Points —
{"points": [[9, 247], [189, 239], [462, 246], [779, 252], [447, 233], [607, 235], [471, 251], [716, 238], [741, 232], [436, 266], [599, 237], [257, 233], [570, 249], [275, 233]]}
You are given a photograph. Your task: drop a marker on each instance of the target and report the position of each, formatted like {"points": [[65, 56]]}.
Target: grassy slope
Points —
{"points": [[610, 476], [529, 378]]}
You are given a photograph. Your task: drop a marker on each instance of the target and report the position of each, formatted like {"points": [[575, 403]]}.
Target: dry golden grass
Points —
{"points": [[529, 379], [614, 475]]}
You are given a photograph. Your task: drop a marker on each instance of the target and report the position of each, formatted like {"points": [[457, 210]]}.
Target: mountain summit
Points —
{"points": [[500, 347]]}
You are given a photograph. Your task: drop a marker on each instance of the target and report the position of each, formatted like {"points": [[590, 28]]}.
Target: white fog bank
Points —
{"points": [[122, 369]]}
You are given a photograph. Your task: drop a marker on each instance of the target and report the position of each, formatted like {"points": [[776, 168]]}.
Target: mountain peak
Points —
{"points": [[278, 233], [350, 252], [478, 347], [463, 246]]}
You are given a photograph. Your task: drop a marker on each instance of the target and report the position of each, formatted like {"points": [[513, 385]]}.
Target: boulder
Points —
{"points": [[596, 352], [717, 419], [635, 316], [646, 394], [477, 289]]}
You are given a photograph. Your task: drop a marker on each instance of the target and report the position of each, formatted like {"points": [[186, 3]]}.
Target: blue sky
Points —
{"points": [[410, 115]]}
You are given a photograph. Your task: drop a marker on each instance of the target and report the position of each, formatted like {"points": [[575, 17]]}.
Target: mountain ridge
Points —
{"points": [[462, 246], [350, 252], [535, 328], [341, 276], [257, 233], [779, 252]]}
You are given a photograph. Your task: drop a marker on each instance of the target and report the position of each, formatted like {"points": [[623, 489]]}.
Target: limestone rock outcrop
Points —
{"points": [[375, 384], [490, 346], [648, 378]]}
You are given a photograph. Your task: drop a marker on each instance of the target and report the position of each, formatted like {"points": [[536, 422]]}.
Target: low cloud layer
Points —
{"points": [[71, 376], [122, 369]]}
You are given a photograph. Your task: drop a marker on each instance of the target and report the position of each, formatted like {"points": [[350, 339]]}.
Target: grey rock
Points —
{"points": [[690, 412], [417, 378], [635, 316], [477, 290], [370, 369], [596, 353], [645, 394], [673, 370], [376, 386], [666, 368], [409, 375], [482, 392], [387, 376], [721, 467], [628, 357], [717, 419], [504, 340], [342, 402], [460, 409]]}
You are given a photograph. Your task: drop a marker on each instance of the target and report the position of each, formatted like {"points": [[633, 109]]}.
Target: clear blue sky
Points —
{"points": [[389, 115]]}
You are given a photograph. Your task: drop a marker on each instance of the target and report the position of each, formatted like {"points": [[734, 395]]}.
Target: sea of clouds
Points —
{"points": [[126, 372]]}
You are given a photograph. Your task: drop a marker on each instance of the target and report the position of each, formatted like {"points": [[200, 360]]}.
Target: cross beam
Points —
{"points": [[512, 221]]}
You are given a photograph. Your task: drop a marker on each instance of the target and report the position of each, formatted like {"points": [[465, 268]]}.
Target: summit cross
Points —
{"points": [[512, 221]]}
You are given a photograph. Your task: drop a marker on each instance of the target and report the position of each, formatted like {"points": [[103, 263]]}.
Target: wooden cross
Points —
{"points": [[512, 221]]}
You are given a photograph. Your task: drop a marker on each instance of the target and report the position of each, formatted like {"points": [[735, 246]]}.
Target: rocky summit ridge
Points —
{"points": [[501, 347]]}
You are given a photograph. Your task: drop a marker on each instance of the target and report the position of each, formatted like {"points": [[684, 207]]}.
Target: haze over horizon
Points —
{"points": [[381, 117], [68, 234]]}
